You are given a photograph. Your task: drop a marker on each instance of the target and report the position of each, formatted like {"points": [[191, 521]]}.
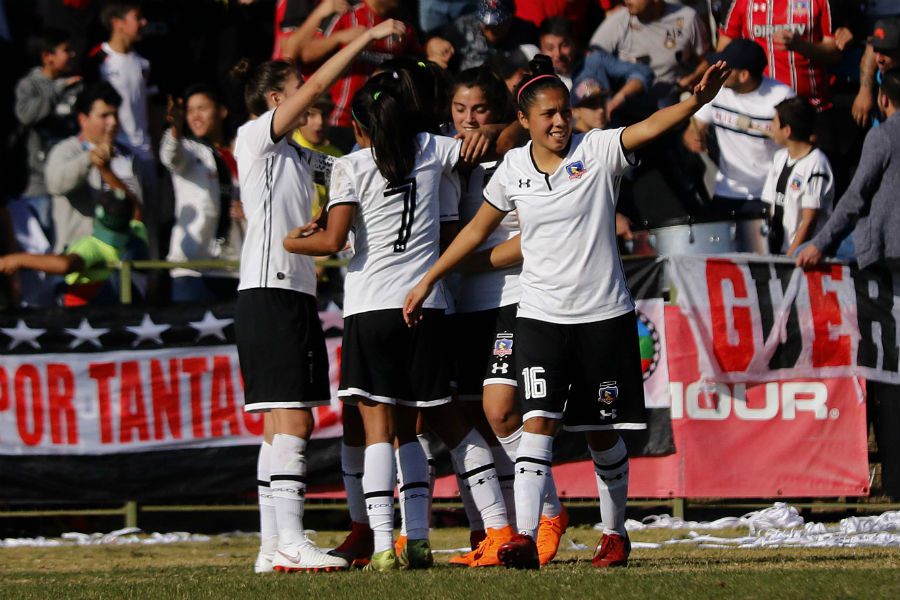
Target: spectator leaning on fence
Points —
{"points": [[204, 178], [44, 108], [869, 208], [80, 167], [89, 278]]}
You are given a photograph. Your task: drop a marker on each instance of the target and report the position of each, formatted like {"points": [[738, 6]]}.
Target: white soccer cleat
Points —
{"points": [[266, 555], [306, 557]]}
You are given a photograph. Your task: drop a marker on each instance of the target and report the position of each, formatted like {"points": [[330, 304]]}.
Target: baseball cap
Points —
{"points": [[588, 93], [743, 54], [495, 13], [886, 35]]}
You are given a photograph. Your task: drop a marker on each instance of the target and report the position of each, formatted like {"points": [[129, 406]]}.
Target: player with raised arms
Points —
{"points": [[388, 195], [279, 337], [578, 361]]}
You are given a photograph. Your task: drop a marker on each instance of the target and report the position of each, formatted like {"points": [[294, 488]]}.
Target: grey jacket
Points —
{"points": [[871, 205], [46, 108]]}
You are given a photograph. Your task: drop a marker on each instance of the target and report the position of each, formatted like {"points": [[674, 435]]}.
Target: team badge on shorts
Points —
{"points": [[503, 345], [575, 169], [609, 391]]}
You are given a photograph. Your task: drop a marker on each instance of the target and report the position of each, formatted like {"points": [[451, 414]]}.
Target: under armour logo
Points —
{"points": [[614, 478], [524, 183], [499, 368], [523, 470]]}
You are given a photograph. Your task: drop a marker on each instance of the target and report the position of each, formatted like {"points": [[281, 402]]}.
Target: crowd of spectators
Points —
{"points": [[133, 101]]}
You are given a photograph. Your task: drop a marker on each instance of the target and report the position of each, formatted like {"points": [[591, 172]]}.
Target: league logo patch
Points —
{"points": [[609, 391], [801, 7], [575, 169], [795, 184], [503, 346]]}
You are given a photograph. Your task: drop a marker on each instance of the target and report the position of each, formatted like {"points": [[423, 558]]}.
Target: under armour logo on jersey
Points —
{"points": [[525, 183], [499, 368]]}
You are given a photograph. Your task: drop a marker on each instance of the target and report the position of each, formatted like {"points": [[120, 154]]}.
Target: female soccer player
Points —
{"points": [[279, 336], [483, 326], [576, 335], [388, 194]]}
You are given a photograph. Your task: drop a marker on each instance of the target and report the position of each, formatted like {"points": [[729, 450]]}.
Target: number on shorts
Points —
{"points": [[535, 386], [408, 189]]}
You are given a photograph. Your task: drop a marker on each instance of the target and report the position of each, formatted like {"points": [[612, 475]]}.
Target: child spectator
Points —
{"points": [[44, 108], [89, 280], [204, 178], [800, 185], [82, 166], [314, 135]]}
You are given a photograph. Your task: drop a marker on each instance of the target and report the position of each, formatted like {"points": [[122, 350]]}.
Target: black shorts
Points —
{"points": [[281, 349], [587, 374], [385, 361], [484, 349]]}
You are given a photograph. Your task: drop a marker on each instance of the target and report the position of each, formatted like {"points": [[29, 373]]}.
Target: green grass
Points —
{"points": [[223, 569]]}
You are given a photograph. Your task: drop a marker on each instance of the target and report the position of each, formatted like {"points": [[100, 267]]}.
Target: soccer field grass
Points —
{"points": [[222, 568]]}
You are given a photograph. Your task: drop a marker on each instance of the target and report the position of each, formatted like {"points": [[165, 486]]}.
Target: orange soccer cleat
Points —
{"points": [[549, 534], [486, 552]]}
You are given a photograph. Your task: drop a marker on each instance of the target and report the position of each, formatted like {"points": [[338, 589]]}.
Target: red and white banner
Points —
{"points": [[755, 319]]}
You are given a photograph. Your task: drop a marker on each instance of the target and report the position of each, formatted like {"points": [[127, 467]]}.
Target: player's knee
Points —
{"points": [[541, 426]]}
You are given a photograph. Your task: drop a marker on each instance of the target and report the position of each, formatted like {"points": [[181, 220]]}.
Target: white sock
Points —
{"points": [[412, 468], [288, 484], [611, 469], [378, 485], [425, 440], [533, 461], [468, 502], [268, 527], [353, 459], [552, 506], [400, 485], [506, 469], [474, 465]]}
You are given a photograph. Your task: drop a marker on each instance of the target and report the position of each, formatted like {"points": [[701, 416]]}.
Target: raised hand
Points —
{"points": [[175, 113], [387, 29], [712, 81]]}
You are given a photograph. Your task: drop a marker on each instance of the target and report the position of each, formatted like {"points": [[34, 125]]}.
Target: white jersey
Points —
{"points": [[277, 192], [491, 289], [396, 231], [743, 123], [805, 183], [571, 271], [128, 74]]}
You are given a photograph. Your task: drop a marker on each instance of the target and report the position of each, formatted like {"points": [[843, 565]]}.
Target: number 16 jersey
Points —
{"points": [[396, 232]]}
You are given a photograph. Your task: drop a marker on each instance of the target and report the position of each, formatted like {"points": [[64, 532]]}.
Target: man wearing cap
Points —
{"points": [[741, 114], [491, 29], [882, 54]]}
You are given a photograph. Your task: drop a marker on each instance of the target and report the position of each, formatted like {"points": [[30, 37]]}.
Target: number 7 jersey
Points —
{"points": [[396, 232]]}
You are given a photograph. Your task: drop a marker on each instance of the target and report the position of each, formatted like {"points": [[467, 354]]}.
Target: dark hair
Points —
{"points": [[429, 92], [47, 41], [800, 115], [890, 86], [381, 109], [541, 76], [102, 90], [492, 85], [267, 77], [556, 26], [204, 89], [116, 10]]}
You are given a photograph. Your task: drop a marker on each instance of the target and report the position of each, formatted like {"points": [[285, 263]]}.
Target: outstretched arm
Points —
{"points": [[472, 235], [662, 121], [55, 264], [292, 110], [314, 240]]}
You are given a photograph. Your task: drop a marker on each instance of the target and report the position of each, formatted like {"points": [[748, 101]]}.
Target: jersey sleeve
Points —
{"points": [[255, 137], [606, 146], [495, 191], [825, 25], [449, 195], [447, 150], [607, 35], [819, 189], [704, 115], [768, 191], [733, 24], [342, 189]]}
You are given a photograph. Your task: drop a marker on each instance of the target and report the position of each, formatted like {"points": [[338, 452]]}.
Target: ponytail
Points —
{"points": [[541, 76], [258, 82], [383, 114]]}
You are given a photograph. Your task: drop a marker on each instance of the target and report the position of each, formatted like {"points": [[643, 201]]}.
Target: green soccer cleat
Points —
{"points": [[386, 560], [416, 555]]}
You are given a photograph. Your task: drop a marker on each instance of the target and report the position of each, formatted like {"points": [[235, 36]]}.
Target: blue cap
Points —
{"points": [[495, 13]]}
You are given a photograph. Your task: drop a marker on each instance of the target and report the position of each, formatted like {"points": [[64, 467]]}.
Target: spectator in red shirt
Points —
{"points": [[366, 15], [583, 15]]}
